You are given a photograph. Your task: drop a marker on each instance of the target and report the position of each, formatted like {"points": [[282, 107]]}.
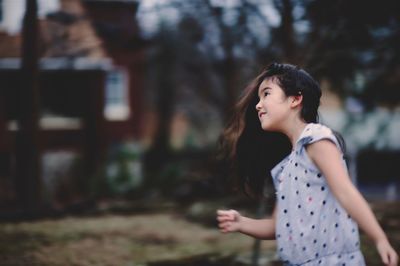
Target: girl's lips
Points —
{"points": [[261, 114]]}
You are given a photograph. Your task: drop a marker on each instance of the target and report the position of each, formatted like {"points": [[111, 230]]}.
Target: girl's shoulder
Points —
{"points": [[314, 132]]}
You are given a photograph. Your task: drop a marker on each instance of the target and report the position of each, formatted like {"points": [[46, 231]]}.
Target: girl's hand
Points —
{"points": [[387, 253], [228, 221]]}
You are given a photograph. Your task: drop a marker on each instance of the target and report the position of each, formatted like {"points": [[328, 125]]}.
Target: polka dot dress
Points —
{"points": [[312, 227]]}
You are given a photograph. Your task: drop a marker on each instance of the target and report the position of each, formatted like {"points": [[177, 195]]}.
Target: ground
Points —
{"points": [[164, 238]]}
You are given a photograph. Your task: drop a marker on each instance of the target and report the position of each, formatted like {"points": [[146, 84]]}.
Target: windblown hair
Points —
{"points": [[248, 151]]}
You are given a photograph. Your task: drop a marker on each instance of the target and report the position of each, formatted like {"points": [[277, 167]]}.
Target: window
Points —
{"points": [[47, 6], [1, 11], [117, 96], [12, 13], [1, 14]]}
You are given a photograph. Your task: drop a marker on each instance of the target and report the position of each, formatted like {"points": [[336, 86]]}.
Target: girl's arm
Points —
{"points": [[327, 158], [232, 221]]}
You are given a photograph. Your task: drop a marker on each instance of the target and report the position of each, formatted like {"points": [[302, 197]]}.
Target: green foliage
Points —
{"points": [[122, 172]]}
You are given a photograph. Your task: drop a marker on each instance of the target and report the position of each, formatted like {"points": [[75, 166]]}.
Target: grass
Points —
{"points": [[113, 240], [145, 239]]}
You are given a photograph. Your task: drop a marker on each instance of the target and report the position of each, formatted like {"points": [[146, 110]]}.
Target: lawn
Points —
{"points": [[160, 238]]}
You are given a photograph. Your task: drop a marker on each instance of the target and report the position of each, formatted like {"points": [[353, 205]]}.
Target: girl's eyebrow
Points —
{"points": [[264, 89]]}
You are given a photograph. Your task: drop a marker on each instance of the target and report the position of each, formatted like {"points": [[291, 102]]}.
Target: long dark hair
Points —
{"points": [[249, 152]]}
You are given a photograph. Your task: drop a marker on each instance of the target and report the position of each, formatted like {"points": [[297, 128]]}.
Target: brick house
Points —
{"points": [[89, 90]]}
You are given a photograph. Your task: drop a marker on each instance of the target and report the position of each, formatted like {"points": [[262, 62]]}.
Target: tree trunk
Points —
{"points": [[288, 38], [27, 138]]}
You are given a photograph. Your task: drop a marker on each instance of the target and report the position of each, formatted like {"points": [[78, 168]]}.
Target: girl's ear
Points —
{"points": [[296, 100]]}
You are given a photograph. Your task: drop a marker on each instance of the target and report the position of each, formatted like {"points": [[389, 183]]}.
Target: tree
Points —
{"points": [[27, 140]]}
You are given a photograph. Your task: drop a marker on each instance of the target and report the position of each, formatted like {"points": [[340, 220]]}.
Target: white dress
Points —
{"points": [[312, 227]]}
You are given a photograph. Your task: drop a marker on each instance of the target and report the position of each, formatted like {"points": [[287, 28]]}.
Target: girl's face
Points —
{"points": [[273, 107]]}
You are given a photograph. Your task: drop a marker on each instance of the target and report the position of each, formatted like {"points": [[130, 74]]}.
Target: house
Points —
{"points": [[89, 92], [116, 25]]}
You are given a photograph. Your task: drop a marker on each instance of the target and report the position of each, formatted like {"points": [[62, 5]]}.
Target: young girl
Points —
{"points": [[317, 207]]}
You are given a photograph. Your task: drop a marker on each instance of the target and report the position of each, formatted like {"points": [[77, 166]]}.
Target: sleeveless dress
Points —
{"points": [[312, 227]]}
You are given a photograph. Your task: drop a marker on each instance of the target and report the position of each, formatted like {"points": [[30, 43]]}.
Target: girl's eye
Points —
{"points": [[266, 93]]}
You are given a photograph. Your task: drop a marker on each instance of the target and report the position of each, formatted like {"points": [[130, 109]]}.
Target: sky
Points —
{"points": [[152, 12]]}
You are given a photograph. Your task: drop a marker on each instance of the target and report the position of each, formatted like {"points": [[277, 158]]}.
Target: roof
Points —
{"points": [[81, 63]]}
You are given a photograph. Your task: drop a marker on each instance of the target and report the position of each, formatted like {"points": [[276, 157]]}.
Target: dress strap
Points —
{"points": [[315, 132]]}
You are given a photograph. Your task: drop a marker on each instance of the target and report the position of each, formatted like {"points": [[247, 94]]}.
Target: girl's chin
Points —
{"points": [[267, 126]]}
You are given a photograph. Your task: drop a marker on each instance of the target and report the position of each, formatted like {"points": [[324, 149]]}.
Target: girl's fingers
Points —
{"points": [[225, 218], [223, 212], [229, 214], [390, 258], [385, 251], [221, 225], [225, 227], [220, 212], [384, 259], [393, 258]]}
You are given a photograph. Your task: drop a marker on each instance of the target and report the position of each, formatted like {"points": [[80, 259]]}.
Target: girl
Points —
{"points": [[317, 207]]}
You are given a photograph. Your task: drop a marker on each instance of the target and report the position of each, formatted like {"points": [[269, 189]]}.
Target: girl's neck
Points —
{"points": [[293, 131]]}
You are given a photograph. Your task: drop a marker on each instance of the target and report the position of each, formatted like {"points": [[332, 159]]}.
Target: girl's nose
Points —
{"points": [[258, 105]]}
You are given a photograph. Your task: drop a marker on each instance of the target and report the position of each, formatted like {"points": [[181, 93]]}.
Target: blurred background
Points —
{"points": [[110, 112]]}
